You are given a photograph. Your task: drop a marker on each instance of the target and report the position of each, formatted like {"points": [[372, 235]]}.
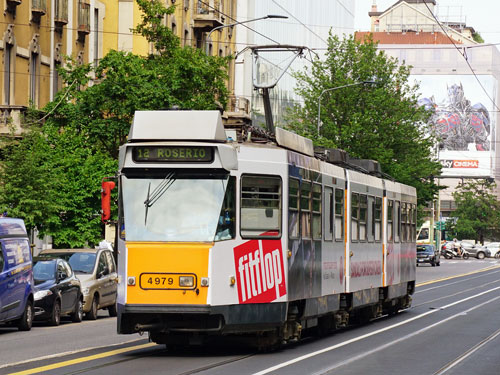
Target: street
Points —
{"points": [[451, 328]]}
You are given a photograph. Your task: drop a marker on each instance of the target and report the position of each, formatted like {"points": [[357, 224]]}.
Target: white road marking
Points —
{"points": [[359, 338]]}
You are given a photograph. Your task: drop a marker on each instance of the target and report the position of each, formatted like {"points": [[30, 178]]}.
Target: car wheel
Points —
{"points": [[112, 310], [26, 321], [55, 317], [480, 255], [92, 314], [77, 315]]}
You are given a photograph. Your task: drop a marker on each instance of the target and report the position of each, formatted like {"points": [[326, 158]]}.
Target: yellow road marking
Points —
{"points": [[83, 359], [454, 277]]}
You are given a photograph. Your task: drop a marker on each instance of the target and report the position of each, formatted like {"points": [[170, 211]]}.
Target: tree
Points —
{"points": [[478, 211], [381, 122], [52, 176]]}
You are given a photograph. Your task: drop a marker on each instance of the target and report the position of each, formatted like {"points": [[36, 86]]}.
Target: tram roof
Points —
{"points": [[177, 125]]}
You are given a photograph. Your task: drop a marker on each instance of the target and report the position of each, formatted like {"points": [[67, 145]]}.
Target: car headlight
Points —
{"points": [[86, 291], [42, 294]]}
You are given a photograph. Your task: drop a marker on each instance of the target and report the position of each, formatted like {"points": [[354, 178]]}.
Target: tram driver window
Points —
{"points": [[227, 221], [260, 206]]}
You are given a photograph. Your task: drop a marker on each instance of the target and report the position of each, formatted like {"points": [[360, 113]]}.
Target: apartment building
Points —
{"points": [[38, 34]]}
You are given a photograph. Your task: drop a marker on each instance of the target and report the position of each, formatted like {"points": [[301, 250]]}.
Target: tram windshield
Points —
{"points": [[178, 207]]}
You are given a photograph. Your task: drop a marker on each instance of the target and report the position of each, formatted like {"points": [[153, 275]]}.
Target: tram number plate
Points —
{"points": [[164, 281]]}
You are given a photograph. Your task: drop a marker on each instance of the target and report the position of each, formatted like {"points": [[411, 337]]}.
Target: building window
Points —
{"points": [[7, 72], [33, 77], [96, 37]]}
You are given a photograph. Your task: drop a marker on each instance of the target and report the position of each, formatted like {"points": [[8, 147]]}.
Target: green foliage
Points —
{"points": [[381, 122], [52, 176], [478, 211], [477, 37]]}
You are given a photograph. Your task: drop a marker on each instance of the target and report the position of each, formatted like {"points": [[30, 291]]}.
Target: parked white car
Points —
{"points": [[492, 249]]}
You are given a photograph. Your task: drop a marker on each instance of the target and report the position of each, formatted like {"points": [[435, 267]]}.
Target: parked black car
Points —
{"points": [[427, 253], [57, 291]]}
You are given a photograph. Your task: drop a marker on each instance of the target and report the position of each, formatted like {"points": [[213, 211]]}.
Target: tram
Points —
{"points": [[225, 234]]}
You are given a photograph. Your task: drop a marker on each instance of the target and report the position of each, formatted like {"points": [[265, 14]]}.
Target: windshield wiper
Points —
{"points": [[158, 192]]}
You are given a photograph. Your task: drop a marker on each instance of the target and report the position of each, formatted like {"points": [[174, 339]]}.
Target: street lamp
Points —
{"points": [[241, 22], [336, 88]]}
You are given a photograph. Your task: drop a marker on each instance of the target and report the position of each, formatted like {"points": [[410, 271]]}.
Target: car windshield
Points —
{"points": [[44, 270], [82, 262], [181, 207], [424, 249]]}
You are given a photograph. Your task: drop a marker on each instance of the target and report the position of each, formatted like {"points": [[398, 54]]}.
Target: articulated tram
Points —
{"points": [[225, 236]]}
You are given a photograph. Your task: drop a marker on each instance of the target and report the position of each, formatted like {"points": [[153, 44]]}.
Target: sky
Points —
{"points": [[482, 15]]}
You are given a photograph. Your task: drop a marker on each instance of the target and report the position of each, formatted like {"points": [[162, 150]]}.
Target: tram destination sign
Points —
{"points": [[173, 154]]}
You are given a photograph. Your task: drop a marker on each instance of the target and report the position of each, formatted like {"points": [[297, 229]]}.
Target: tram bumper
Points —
{"points": [[202, 319]]}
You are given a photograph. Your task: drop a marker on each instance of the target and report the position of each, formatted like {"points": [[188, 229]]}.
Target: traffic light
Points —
{"points": [[106, 188]]}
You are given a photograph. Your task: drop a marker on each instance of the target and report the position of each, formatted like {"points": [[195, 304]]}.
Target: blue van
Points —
{"points": [[16, 275]]}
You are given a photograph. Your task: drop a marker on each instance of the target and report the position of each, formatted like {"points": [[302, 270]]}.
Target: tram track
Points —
{"points": [[189, 372], [455, 362]]}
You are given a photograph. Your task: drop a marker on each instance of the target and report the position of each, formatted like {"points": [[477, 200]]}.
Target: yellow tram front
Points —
{"points": [[177, 199]]}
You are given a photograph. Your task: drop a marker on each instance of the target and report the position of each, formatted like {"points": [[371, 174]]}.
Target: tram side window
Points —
{"points": [[293, 205], [363, 216], [305, 209], [329, 213], [260, 206], [390, 221], [397, 221], [339, 214], [354, 216], [413, 223], [226, 227], [404, 218], [377, 222], [408, 222], [316, 208]]}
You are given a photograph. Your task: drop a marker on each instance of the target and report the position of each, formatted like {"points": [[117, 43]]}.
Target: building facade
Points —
{"points": [[458, 80], [38, 34], [307, 25]]}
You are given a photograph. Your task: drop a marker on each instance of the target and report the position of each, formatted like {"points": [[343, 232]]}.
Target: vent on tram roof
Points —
{"points": [[294, 142], [370, 166], [331, 155]]}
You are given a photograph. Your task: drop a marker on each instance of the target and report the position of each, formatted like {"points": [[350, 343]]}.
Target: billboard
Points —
{"points": [[464, 119]]}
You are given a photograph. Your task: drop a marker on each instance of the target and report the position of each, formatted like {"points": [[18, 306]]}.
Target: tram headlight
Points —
{"points": [[186, 281]]}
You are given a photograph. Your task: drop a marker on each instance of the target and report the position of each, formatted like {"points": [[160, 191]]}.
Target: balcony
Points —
{"points": [[207, 16], [11, 119], [237, 114], [83, 20], [12, 4], [38, 9], [61, 13]]}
